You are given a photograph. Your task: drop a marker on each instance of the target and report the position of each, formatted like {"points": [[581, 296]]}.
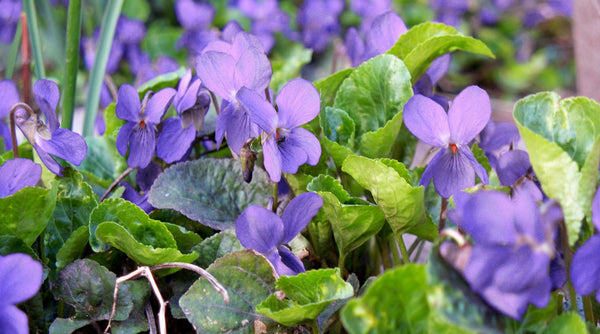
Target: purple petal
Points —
{"points": [[223, 119], [13, 320], [384, 33], [527, 217], [355, 46], [511, 304], [145, 176], [511, 166], [128, 103], [428, 172], [253, 70], [596, 209], [272, 158], [18, 173], [453, 173], [479, 170], [239, 129], [216, 69], [47, 95], [259, 229], [426, 120], [585, 268], [188, 98], [497, 135], [260, 110], [298, 213], [292, 264], [21, 278], [158, 105], [299, 102], [194, 16], [231, 29], [173, 140], [218, 46], [243, 42], [292, 155], [9, 96], [130, 31], [522, 268], [488, 218], [123, 137], [142, 142], [304, 139], [468, 114], [182, 87], [438, 68], [483, 258], [48, 160], [65, 144]]}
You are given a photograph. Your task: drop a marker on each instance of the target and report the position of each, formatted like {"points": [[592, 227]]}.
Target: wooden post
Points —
{"points": [[586, 36]]}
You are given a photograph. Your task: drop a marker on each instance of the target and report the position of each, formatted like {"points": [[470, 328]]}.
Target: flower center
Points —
{"points": [[142, 124], [453, 147]]}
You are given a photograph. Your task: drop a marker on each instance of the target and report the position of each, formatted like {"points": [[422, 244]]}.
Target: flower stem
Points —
{"points": [[275, 196], [25, 60], [402, 245], [14, 51], [107, 32], [114, 184], [588, 309], [13, 130], [36, 45], [443, 212], [71, 62], [564, 239]]}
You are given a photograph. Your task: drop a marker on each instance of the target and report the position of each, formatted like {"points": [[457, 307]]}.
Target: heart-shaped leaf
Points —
{"points": [[563, 138], [306, 296], [209, 191]]}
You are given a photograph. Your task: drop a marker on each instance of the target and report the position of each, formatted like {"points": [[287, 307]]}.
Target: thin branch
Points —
{"points": [[211, 279], [13, 131], [114, 184], [112, 88], [26, 59], [150, 317]]}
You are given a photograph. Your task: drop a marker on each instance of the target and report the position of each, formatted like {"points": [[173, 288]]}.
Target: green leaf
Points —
{"points": [[148, 231], [162, 81], [185, 239], [287, 60], [74, 204], [306, 296], [209, 191], [26, 213], [217, 246], [89, 288], [329, 86], [423, 43], [136, 9], [73, 247], [563, 138], [249, 279], [337, 126], [10, 244], [327, 183], [481, 157], [373, 96], [67, 326], [402, 204], [396, 302], [103, 163], [568, 322]]}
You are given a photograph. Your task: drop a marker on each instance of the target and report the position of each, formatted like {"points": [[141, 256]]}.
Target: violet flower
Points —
{"points": [[178, 133], [267, 19], [286, 145], [586, 263], [18, 173], [379, 38], [427, 82], [514, 169], [144, 177], [49, 139], [265, 232], [9, 18], [454, 167], [368, 10], [21, 278], [497, 137], [319, 22], [224, 69], [510, 261], [139, 133], [9, 96], [196, 18], [449, 11]]}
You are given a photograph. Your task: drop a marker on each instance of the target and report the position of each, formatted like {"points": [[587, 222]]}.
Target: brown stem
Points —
{"points": [[443, 212], [13, 131], [26, 60], [114, 184]]}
